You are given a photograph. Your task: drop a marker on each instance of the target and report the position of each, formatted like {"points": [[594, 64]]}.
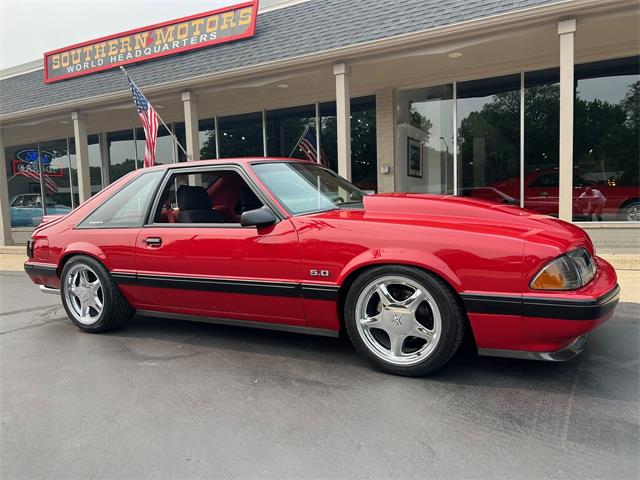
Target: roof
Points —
{"points": [[300, 29], [226, 161]]}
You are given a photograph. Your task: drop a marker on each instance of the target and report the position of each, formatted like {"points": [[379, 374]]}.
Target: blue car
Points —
{"points": [[26, 209]]}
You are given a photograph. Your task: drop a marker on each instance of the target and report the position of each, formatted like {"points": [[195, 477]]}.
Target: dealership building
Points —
{"points": [[528, 102]]}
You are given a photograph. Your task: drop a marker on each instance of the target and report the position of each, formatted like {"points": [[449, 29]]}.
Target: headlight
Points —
{"points": [[568, 272]]}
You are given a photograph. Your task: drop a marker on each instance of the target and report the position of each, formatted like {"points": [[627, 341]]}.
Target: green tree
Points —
{"points": [[498, 125]]}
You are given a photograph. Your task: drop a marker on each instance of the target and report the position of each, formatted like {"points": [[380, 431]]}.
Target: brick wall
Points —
{"points": [[386, 138]]}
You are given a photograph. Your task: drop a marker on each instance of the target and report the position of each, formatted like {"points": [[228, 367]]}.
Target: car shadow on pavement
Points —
{"points": [[609, 366], [243, 339], [612, 352]]}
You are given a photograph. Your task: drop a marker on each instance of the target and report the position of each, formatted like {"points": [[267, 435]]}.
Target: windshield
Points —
{"points": [[306, 188]]}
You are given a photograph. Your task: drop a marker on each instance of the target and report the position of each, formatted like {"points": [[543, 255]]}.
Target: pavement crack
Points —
{"points": [[568, 411], [32, 326], [26, 310]]}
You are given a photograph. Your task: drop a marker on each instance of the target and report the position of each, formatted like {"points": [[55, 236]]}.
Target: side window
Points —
{"points": [[18, 201], [127, 207], [218, 196], [547, 180], [579, 181], [31, 201]]}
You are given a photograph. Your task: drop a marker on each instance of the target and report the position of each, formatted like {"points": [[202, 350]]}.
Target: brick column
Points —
{"points": [[386, 139]]}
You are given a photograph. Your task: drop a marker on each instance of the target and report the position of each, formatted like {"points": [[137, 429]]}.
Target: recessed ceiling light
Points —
{"points": [[283, 85], [66, 122], [455, 54]]}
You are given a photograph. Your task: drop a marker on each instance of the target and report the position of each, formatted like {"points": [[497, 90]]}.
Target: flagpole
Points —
{"points": [[300, 138], [162, 121]]}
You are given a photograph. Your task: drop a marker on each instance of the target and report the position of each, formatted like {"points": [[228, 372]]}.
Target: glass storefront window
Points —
{"points": [[285, 127], [165, 146], [56, 177], [541, 143], [95, 166], [179, 132], [364, 172], [606, 155], [26, 200], [329, 134], [363, 140], [425, 140], [207, 137], [122, 154], [241, 136], [95, 163], [488, 113], [25, 197]]}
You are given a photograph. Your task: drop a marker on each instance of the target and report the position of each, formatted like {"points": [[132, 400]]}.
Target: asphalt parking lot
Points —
{"points": [[170, 399]]}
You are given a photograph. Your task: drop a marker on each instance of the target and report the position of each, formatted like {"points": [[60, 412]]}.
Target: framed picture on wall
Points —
{"points": [[414, 158]]}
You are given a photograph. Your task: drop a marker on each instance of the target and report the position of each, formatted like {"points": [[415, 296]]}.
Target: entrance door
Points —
{"points": [[194, 257]]}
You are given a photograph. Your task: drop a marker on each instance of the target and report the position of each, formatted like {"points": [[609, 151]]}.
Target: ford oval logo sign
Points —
{"points": [[31, 156]]}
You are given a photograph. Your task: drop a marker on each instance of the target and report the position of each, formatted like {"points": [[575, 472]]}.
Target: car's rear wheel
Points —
{"points": [[90, 297], [406, 321], [631, 211]]}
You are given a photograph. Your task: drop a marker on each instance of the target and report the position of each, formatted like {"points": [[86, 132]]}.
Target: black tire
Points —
{"points": [[630, 211], [453, 319], [116, 310]]}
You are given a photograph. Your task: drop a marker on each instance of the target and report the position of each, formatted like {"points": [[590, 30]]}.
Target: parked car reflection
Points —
{"points": [[618, 196], [26, 209]]}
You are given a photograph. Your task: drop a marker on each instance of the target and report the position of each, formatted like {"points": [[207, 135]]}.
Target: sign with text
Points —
{"points": [[188, 33], [29, 169]]}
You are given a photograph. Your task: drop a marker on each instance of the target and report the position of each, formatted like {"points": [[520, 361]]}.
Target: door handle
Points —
{"points": [[153, 241]]}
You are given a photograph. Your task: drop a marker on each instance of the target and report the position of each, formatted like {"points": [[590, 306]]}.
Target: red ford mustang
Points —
{"points": [[288, 245]]}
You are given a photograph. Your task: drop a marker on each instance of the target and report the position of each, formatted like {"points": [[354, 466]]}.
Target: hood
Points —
{"points": [[478, 215]]}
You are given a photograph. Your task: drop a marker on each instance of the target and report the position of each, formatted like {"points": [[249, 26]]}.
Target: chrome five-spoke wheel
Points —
{"points": [[84, 294], [398, 320], [92, 300], [403, 319], [632, 212]]}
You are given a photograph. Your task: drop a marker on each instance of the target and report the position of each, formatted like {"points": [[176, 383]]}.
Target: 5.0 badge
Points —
{"points": [[318, 273]]}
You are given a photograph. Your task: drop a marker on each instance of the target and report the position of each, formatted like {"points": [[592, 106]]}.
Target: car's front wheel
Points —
{"points": [[90, 297], [406, 321]]}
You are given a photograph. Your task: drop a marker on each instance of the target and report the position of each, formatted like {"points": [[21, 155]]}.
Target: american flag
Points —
{"points": [[49, 184], [307, 144], [149, 119]]}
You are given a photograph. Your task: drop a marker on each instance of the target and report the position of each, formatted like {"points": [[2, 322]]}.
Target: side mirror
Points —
{"points": [[260, 217]]}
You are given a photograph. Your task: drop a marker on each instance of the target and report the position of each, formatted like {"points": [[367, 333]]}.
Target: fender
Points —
{"points": [[401, 256], [84, 248]]}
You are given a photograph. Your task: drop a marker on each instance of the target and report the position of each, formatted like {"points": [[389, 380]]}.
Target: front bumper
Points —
{"points": [[570, 309], [567, 352], [49, 290], [544, 326]]}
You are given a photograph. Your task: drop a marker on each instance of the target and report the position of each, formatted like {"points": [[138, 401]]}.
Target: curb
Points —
{"points": [[13, 250]]}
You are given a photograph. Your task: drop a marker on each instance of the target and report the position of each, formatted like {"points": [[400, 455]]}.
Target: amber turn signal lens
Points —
{"points": [[549, 279], [561, 274]]}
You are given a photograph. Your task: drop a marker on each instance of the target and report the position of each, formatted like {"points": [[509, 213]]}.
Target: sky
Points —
{"points": [[28, 28]]}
